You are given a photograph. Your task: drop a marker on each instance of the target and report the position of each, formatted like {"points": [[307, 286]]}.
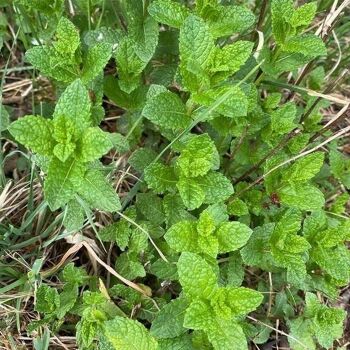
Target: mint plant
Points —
{"points": [[68, 147], [234, 209]]}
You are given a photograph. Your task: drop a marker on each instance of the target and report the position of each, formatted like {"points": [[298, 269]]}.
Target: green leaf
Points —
{"points": [[302, 196], [281, 11], [232, 236], [47, 299], [35, 133], [198, 156], [305, 168], [130, 65], [283, 119], [167, 111], [191, 192], [64, 129], [196, 43], [243, 300], [196, 276], [127, 334], [61, 181], [128, 267], [142, 158], [216, 186], [301, 331], [68, 298], [237, 207], [307, 44], [304, 14], [160, 178], [67, 35], [182, 236], [235, 104], [168, 12], [74, 217], [97, 192], [52, 64], [95, 61], [151, 207], [169, 321], [228, 20], [175, 209], [75, 104], [93, 145], [327, 322], [231, 57], [119, 142], [206, 224]]}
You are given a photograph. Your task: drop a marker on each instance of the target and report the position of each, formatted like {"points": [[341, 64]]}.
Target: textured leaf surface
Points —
{"points": [[97, 192], [231, 57], [35, 133], [168, 12], [307, 44], [305, 168], [167, 111], [302, 196], [228, 20], [96, 59], [182, 236], [160, 178], [61, 181], [127, 334], [191, 192], [198, 157], [196, 276], [196, 42], [169, 321], [94, 144], [232, 236], [75, 104], [304, 14]]}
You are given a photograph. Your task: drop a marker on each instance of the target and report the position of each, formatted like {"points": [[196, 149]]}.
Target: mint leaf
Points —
{"points": [[283, 119], [216, 186], [307, 44], [160, 178], [302, 196], [231, 57], [228, 20], [235, 105], [198, 156], [168, 12], [167, 111], [304, 14], [67, 35], [196, 276], [35, 133], [126, 334], [61, 181], [281, 11], [47, 299], [75, 104], [191, 192], [196, 43], [169, 321], [232, 236], [97, 192], [181, 236], [305, 168], [93, 144], [96, 59]]}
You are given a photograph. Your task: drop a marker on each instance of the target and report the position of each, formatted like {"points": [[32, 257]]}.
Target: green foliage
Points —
{"points": [[70, 145], [229, 203]]}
